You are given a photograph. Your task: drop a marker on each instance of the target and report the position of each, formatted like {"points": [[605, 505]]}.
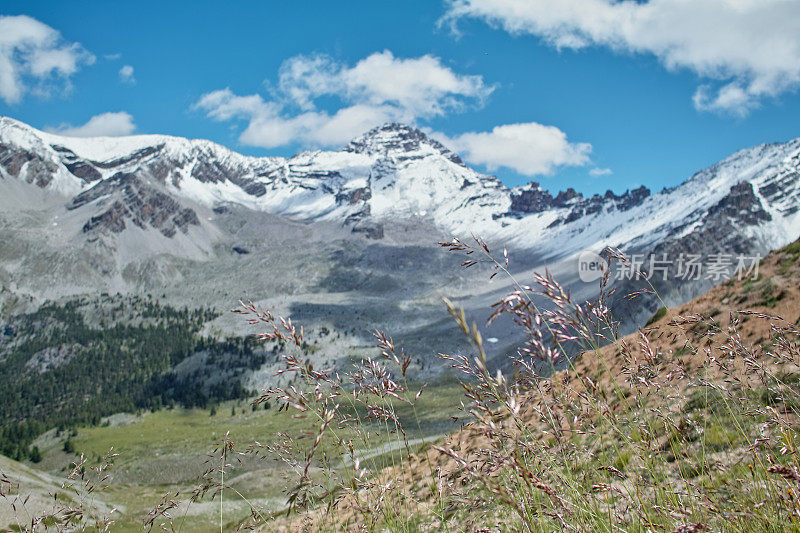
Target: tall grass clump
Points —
{"points": [[74, 507]]}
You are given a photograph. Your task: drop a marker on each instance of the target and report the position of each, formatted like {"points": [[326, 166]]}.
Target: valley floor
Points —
{"points": [[167, 453]]}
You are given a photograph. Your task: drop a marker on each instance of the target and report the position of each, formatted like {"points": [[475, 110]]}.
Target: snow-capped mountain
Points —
{"points": [[326, 233], [391, 172]]}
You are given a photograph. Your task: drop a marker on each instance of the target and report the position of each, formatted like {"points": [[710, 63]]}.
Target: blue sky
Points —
{"points": [[630, 105]]}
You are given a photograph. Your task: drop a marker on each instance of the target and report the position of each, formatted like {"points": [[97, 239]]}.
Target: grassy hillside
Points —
{"points": [[691, 424]]}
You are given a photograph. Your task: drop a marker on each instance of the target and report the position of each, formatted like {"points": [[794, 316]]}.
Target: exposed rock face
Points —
{"points": [[112, 219], [354, 196], [398, 137], [84, 171], [581, 207], [26, 165], [740, 206], [565, 197], [781, 189], [722, 228], [255, 189], [52, 357], [136, 156], [128, 197], [210, 172], [78, 167], [531, 199], [632, 198], [717, 236]]}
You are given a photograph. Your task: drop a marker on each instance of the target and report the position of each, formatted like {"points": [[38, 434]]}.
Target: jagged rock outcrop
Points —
{"points": [[394, 137], [531, 199]]}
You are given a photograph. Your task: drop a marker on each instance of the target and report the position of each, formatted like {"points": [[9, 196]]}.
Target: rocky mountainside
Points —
{"points": [[391, 172], [348, 233]]}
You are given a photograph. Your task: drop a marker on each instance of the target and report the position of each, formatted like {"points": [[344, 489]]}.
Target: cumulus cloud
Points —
{"points": [[383, 88], [103, 125], [34, 57], [377, 89], [746, 50], [528, 148], [597, 172], [126, 75]]}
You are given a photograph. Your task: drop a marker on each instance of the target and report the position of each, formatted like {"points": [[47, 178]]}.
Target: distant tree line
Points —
{"points": [[124, 362]]}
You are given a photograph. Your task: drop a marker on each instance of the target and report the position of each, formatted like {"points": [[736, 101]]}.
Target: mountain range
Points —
{"points": [[346, 239]]}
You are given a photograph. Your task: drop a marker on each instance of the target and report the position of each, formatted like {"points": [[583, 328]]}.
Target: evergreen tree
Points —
{"points": [[35, 455]]}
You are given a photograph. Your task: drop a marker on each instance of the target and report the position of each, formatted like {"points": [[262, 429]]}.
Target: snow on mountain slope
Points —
{"points": [[771, 169], [392, 172]]}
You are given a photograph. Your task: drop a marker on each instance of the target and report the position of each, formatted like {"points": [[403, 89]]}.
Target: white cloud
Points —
{"points": [[597, 172], [268, 127], [528, 148], [34, 57], [749, 48], [103, 125], [382, 88], [377, 89], [126, 75], [419, 86]]}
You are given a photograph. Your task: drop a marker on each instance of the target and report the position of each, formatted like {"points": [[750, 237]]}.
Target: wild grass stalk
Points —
{"points": [[687, 425], [683, 427]]}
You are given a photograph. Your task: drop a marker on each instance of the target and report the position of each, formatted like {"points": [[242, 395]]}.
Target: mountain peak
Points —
{"points": [[394, 137]]}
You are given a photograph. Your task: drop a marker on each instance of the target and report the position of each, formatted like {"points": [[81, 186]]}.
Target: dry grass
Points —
{"points": [[690, 424]]}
